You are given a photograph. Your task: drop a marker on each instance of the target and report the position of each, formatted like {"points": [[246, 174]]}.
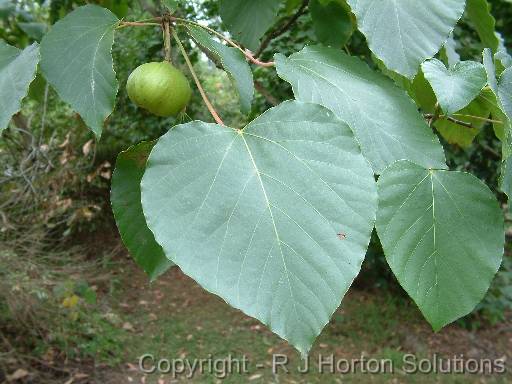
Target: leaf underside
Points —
{"points": [[76, 60], [275, 219], [443, 236]]}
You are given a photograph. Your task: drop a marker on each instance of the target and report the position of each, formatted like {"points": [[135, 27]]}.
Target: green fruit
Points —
{"points": [[160, 88]]}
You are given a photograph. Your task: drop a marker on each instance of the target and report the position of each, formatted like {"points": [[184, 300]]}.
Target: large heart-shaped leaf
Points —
{"points": [[76, 60], [443, 236], [403, 33], [248, 20], [127, 209], [274, 218], [17, 70], [384, 119], [456, 87], [234, 63]]}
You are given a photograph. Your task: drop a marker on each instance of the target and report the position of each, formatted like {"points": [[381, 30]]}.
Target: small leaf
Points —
{"points": [[456, 87], [17, 71], [254, 215], [449, 52], [332, 23], [234, 63], [172, 5], [248, 20], [403, 33], [76, 60], [127, 208], [385, 121], [443, 236]]}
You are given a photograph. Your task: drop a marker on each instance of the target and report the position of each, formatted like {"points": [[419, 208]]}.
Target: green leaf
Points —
{"points": [[464, 136], [332, 23], [172, 5], [17, 71], [249, 20], [275, 218], [126, 205], [234, 63], [384, 119], [449, 53], [443, 236], [479, 12], [403, 33], [76, 60], [505, 92], [456, 87], [34, 30]]}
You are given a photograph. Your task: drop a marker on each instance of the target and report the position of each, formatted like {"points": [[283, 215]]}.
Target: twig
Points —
{"points": [[196, 79], [283, 28], [247, 53], [124, 24]]}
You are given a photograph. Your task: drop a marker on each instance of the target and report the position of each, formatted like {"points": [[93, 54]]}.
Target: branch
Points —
{"points": [[209, 105], [282, 29]]}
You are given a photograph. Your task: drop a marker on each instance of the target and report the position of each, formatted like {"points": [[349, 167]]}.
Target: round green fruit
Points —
{"points": [[160, 88]]}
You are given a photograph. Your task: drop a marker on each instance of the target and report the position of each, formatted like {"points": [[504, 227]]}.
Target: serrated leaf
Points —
{"points": [[249, 20], [479, 12], [17, 71], [475, 114], [332, 23], [76, 60], [234, 63], [275, 218], [367, 101], [125, 197], [443, 236], [403, 33], [456, 87]]}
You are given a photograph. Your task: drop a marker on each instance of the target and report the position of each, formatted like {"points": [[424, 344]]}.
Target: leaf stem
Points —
{"points": [[209, 105], [478, 118], [248, 54]]}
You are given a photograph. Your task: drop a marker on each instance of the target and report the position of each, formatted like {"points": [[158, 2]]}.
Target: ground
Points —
{"points": [[175, 318]]}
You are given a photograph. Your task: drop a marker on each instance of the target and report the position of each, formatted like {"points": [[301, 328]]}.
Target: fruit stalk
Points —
{"points": [[209, 105], [167, 40]]}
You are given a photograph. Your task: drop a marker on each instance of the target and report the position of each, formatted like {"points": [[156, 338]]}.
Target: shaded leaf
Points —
{"points": [[126, 204], [367, 101], [248, 20], [443, 236], [479, 12], [332, 22], [76, 60], [234, 63], [403, 33], [17, 71], [255, 216]]}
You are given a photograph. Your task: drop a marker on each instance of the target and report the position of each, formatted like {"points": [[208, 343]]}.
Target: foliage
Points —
{"points": [[276, 217]]}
